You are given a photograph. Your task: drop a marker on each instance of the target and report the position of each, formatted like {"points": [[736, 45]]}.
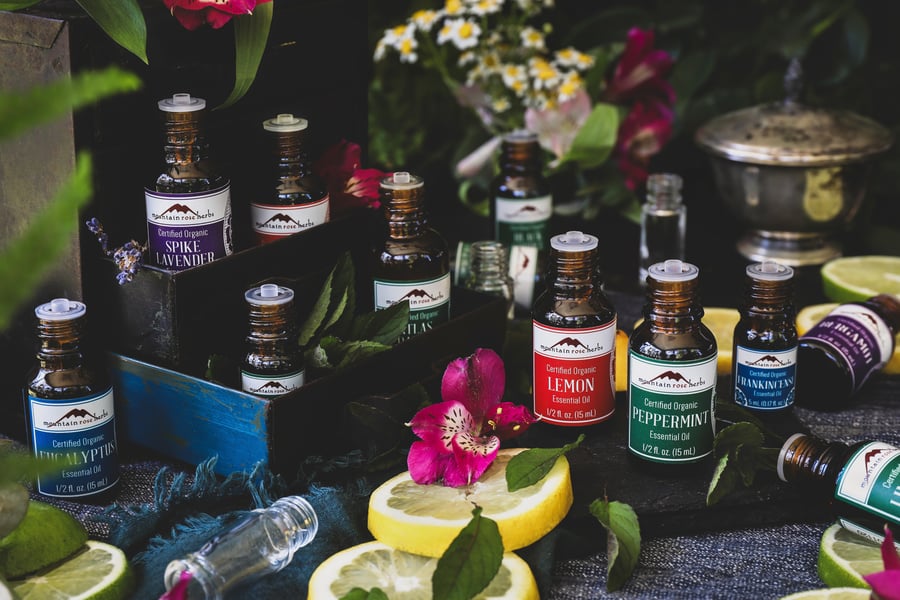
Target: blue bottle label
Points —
{"points": [[81, 434], [765, 379]]}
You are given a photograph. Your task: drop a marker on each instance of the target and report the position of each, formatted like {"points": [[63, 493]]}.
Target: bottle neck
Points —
{"points": [[520, 158], [60, 343], [404, 212], [289, 155], [765, 297], [271, 326], [573, 274], [672, 306], [809, 460], [888, 308], [184, 141], [664, 192]]}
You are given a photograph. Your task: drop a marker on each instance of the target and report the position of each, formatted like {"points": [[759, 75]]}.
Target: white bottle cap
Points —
{"points": [[401, 180], [769, 270], [673, 270], [285, 122], [60, 309], [182, 103], [573, 241], [269, 294]]}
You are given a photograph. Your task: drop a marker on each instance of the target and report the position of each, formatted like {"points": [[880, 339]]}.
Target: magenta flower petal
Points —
{"points": [[886, 584], [472, 455], [438, 423], [426, 463], [641, 135], [889, 551], [640, 70], [508, 420], [476, 381]]}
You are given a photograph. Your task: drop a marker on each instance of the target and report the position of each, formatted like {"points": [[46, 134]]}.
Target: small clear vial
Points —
{"points": [[663, 222], [490, 272], [261, 544]]}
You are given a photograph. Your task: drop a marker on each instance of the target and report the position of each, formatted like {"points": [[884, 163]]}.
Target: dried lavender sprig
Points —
{"points": [[128, 257]]}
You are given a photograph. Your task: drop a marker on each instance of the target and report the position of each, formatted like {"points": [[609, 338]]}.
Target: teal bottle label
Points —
{"points": [[671, 415], [429, 302], [871, 481], [765, 379], [523, 222]]}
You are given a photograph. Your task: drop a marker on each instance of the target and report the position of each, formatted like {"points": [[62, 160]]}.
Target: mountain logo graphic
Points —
{"points": [[568, 341], [416, 293], [672, 376], [282, 218], [870, 458], [526, 210], [180, 208], [768, 359], [270, 387], [75, 413]]}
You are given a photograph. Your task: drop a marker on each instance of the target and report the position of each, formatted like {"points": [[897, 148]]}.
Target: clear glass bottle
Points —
{"points": [[521, 207], [858, 481], [298, 199], [263, 543], [189, 203], [838, 355], [412, 261], [663, 222], [764, 364], [70, 408], [490, 272], [272, 364], [671, 373], [574, 337]]}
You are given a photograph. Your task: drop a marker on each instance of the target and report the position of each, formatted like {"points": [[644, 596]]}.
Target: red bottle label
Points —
{"points": [[574, 374]]}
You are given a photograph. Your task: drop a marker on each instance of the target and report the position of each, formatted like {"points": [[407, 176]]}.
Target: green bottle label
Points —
{"points": [[871, 481], [429, 301], [523, 222], [671, 415]]}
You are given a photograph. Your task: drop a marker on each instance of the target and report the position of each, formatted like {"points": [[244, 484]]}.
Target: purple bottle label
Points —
{"points": [[859, 336], [188, 230]]}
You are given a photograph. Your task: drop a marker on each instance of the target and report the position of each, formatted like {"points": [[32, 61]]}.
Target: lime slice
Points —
{"points": [[45, 536], [810, 315], [404, 576], [424, 519], [831, 594], [100, 572], [845, 557], [855, 278]]}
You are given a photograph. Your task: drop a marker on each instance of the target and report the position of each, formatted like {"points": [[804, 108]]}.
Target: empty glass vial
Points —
{"points": [[490, 272], [663, 222], [273, 363], [263, 543]]}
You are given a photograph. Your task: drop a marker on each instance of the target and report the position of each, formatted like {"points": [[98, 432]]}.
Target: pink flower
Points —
{"points": [[194, 13], [348, 185], [886, 584], [640, 71], [642, 134], [557, 127], [460, 436]]}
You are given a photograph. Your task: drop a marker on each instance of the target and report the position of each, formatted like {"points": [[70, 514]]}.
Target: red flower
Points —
{"points": [[640, 72], [886, 584], [194, 13], [348, 185], [642, 134]]}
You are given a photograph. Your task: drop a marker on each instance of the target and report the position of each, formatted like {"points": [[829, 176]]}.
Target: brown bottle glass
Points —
{"points": [[521, 207], [574, 337], [412, 261], [272, 364], [298, 199], [70, 408], [672, 374], [858, 482], [838, 355], [764, 363], [189, 203]]}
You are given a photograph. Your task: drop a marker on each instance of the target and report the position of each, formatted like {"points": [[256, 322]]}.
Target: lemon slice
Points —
{"points": [[621, 360], [843, 593], [845, 557], [810, 315], [101, 572], [404, 576], [721, 321], [854, 278], [424, 519]]}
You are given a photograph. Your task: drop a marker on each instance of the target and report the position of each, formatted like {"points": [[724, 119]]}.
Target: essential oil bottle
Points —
{"points": [[272, 364]]}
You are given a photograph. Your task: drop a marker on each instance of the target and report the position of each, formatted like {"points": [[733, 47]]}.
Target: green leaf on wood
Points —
{"points": [[251, 32], [470, 562], [122, 21], [623, 540], [383, 326], [530, 466]]}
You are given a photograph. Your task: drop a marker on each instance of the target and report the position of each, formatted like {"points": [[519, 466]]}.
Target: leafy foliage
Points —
{"points": [[741, 455], [530, 466], [122, 21], [470, 562], [250, 35], [623, 541]]}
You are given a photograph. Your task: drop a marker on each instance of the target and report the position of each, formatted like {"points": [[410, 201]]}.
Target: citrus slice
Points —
{"points": [[810, 315], [424, 519], [843, 593], [845, 557], [721, 321], [621, 360], [854, 278], [404, 576], [45, 536], [100, 572]]}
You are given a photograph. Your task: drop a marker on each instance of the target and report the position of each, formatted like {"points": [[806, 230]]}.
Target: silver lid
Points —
{"points": [[181, 103], [573, 241], [673, 270], [269, 294], [60, 309]]}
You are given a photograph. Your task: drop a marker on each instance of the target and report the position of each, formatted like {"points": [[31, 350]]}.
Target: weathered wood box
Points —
{"points": [[191, 419]]}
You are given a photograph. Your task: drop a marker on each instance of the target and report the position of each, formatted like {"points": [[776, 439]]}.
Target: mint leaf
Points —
{"points": [[356, 350], [361, 594], [741, 457], [470, 562], [723, 481], [345, 294], [734, 436], [383, 326], [317, 315], [530, 466], [623, 540]]}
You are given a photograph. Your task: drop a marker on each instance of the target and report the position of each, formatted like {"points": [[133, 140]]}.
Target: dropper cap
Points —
{"points": [[182, 102], [269, 294], [673, 270], [769, 270], [401, 180], [573, 241], [285, 123], [60, 309]]}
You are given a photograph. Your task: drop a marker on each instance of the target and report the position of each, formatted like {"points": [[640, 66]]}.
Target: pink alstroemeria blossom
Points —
{"points": [[886, 584], [642, 134], [348, 185], [557, 127], [192, 14], [640, 71], [460, 437]]}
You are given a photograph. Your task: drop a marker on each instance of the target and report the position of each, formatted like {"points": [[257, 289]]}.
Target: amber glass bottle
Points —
{"points": [[70, 409], [839, 354], [412, 261], [671, 372], [764, 364], [297, 199], [189, 203], [859, 481], [272, 364], [574, 337], [521, 208]]}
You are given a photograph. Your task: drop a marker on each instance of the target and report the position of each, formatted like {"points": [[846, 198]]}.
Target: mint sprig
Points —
{"points": [[470, 562], [742, 455], [530, 466], [623, 540]]}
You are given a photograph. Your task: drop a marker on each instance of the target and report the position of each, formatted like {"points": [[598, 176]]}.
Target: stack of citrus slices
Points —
{"points": [[413, 525]]}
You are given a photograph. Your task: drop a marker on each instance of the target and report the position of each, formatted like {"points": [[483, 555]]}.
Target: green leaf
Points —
{"points": [[357, 350], [18, 5], [723, 482], [343, 298], [595, 140], [22, 110], [25, 260], [383, 326], [530, 466], [733, 436], [470, 562], [313, 323], [361, 594], [250, 35], [623, 540], [122, 21]]}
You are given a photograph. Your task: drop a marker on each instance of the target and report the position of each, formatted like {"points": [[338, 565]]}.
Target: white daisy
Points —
{"points": [[424, 19], [485, 7], [462, 32], [513, 74], [501, 105], [380, 49], [532, 38], [466, 58], [454, 7], [570, 85], [407, 49], [543, 73], [570, 57]]}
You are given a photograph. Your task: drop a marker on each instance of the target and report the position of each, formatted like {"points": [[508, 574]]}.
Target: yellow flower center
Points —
{"points": [[406, 46], [465, 30]]}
